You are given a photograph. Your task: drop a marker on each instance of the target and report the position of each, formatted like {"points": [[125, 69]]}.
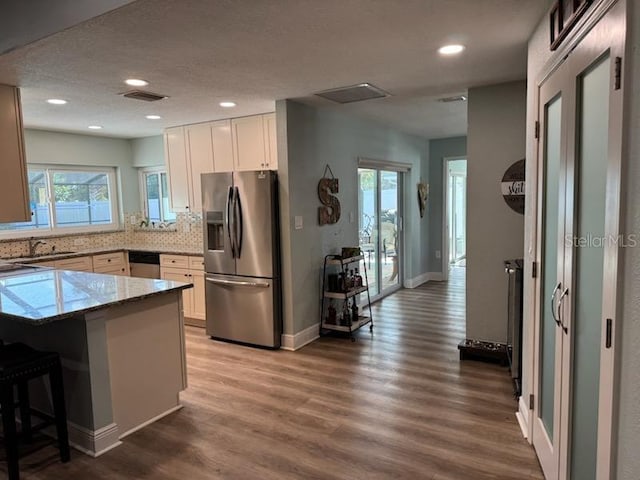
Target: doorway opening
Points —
{"points": [[455, 241], [380, 228]]}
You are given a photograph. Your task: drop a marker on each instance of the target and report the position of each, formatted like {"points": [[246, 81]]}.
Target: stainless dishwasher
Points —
{"points": [[144, 264]]}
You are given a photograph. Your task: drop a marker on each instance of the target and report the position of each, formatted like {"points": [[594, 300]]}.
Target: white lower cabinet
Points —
{"points": [[114, 263], [181, 268]]}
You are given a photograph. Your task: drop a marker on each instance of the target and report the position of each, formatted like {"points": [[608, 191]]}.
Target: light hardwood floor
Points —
{"points": [[395, 404]]}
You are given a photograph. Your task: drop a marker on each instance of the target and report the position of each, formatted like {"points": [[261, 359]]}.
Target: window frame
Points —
{"points": [[142, 181], [54, 230]]}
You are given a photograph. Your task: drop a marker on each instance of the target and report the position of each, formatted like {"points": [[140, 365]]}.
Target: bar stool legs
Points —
{"points": [[9, 430], [59, 411], [25, 414]]}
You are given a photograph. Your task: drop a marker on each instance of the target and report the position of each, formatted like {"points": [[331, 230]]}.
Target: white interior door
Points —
{"points": [[580, 110]]}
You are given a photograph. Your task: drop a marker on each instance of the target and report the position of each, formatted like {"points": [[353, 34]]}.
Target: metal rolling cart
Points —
{"points": [[340, 311]]}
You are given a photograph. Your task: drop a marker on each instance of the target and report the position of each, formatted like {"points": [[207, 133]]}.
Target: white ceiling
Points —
{"points": [[200, 52]]}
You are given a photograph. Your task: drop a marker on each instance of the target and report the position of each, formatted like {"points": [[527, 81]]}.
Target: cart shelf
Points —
{"points": [[347, 302]]}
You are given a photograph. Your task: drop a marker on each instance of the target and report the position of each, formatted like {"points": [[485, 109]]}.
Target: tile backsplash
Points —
{"points": [[187, 233]]}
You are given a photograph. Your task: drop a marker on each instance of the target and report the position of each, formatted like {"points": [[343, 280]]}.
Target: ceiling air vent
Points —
{"points": [[354, 93], [142, 95], [455, 98]]}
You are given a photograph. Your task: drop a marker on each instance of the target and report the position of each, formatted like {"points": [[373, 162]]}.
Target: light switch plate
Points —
{"points": [[438, 254], [297, 221], [132, 219]]}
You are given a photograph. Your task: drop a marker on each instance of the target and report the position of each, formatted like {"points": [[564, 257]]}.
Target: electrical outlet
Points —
{"points": [[298, 222], [132, 219], [438, 254]]}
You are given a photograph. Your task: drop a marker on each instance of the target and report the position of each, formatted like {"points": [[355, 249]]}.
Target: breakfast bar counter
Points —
{"points": [[121, 341]]}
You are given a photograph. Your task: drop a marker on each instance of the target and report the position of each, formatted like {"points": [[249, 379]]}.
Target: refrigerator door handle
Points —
{"points": [[238, 222], [230, 223], [236, 283]]}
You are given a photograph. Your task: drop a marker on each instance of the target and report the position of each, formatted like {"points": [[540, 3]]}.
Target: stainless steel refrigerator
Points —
{"points": [[242, 257]]}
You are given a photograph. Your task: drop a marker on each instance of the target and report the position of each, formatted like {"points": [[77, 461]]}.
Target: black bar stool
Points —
{"points": [[19, 364]]}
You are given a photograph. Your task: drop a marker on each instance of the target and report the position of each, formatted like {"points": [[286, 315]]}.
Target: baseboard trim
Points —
{"points": [[94, 442], [300, 339], [416, 281], [151, 420], [423, 278], [523, 417]]}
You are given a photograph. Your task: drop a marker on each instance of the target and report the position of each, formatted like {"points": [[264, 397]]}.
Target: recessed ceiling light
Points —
{"points": [[153, 117], [450, 49], [227, 104], [136, 82], [56, 101], [95, 127]]}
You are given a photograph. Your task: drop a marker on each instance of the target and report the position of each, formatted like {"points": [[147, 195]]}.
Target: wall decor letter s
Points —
{"points": [[329, 212]]}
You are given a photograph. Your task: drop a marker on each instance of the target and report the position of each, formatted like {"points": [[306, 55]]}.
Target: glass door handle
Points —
{"points": [[560, 320], [553, 306]]}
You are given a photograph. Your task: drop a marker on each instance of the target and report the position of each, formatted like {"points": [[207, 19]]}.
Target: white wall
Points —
{"points": [[316, 137], [148, 151], [45, 147], [495, 140]]}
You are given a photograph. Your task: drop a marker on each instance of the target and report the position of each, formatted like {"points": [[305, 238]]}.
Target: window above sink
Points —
{"points": [[68, 200]]}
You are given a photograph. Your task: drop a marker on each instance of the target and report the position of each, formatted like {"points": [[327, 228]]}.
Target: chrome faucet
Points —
{"points": [[33, 245]]}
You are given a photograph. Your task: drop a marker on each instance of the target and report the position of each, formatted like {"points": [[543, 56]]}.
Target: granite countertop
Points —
{"points": [[44, 295], [172, 249]]}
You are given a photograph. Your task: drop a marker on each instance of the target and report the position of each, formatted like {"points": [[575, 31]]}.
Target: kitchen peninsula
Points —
{"points": [[121, 341]]}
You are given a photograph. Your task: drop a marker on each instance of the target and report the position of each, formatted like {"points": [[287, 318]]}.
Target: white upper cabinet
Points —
{"points": [[237, 144], [271, 141], [250, 147], [14, 193], [222, 146], [178, 169], [200, 158]]}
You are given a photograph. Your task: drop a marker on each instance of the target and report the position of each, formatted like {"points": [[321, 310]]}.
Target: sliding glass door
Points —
{"points": [[380, 194]]}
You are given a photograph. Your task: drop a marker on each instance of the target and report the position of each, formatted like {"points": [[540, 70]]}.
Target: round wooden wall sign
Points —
{"points": [[513, 186]]}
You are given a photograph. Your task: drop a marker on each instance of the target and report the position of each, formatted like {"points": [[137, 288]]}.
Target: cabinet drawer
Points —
{"points": [[111, 270], [196, 263], [81, 264], [113, 259], [174, 261]]}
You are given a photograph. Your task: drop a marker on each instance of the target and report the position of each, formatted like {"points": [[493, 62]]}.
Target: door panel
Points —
{"points": [[368, 226], [572, 428], [591, 175], [218, 257], [241, 309], [255, 223], [389, 228], [550, 272]]}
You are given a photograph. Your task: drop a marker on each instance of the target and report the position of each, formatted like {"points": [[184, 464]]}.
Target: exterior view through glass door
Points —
{"points": [[457, 210], [578, 241], [379, 204]]}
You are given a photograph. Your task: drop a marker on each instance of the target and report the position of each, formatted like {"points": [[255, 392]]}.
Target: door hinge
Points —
{"points": [[534, 270], [531, 398], [609, 334], [618, 75], [537, 129]]}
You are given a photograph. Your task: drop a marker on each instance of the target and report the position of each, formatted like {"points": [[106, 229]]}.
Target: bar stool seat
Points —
{"points": [[19, 364]]}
